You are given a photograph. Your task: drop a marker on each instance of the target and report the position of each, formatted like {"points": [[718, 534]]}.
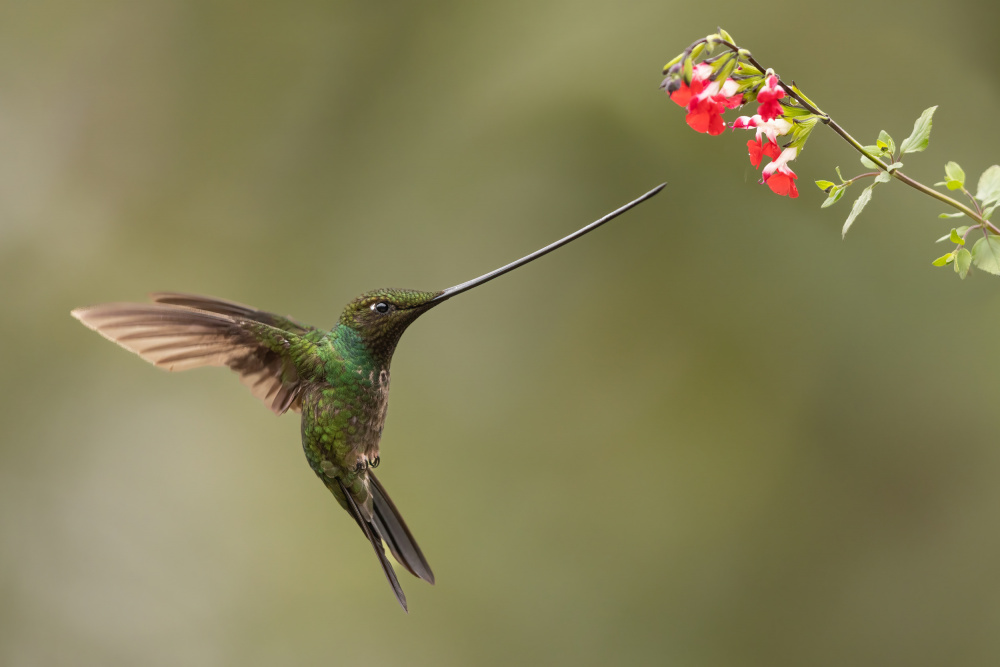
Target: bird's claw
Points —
{"points": [[365, 464]]}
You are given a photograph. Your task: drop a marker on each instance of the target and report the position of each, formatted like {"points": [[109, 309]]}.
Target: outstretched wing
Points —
{"points": [[271, 360], [231, 308]]}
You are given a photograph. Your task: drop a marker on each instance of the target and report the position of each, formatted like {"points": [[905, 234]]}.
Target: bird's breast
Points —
{"points": [[342, 423]]}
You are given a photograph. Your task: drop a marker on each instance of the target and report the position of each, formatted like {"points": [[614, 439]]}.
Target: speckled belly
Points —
{"points": [[342, 425]]}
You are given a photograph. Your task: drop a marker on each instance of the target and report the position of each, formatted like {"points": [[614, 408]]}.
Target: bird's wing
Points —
{"points": [[271, 360], [232, 308]]}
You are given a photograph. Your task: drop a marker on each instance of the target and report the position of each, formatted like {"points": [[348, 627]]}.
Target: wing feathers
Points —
{"points": [[231, 308], [180, 337]]}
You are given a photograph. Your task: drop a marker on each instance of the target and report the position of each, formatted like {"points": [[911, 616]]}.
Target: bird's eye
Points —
{"points": [[380, 307]]}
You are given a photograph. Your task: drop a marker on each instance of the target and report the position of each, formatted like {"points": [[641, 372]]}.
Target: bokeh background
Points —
{"points": [[711, 433]]}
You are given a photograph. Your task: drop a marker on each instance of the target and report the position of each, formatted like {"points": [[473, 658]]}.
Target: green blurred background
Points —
{"points": [[711, 433]]}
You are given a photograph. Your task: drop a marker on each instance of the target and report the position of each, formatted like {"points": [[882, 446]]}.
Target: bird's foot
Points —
{"points": [[364, 464]]}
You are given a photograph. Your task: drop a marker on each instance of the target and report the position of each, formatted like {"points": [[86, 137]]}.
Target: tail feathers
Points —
{"points": [[390, 526], [376, 542]]}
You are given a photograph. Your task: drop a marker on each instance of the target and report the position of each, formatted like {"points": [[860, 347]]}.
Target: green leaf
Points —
{"points": [[673, 62], [921, 135], [835, 194], [859, 203], [839, 175], [986, 254], [883, 177], [954, 176], [950, 215], [825, 185], [963, 260], [865, 161], [886, 143], [955, 238], [989, 186], [726, 70], [944, 259], [988, 211], [960, 231]]}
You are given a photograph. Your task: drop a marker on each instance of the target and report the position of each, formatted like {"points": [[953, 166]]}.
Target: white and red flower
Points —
{"points": [[766, 129], [707, 100], [768, 97], [779, 177]]}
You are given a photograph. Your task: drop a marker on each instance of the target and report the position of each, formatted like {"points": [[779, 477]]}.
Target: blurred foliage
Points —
{"points": [[710, 433]]}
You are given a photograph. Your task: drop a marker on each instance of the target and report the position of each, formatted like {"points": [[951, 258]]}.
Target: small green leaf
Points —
{"points": [[859, 203], [886, 143], [944, 259], [895, 165], [726, 36], [883, 177], [950, 215], [825, 185], [954, 176], [865, 161], [989, 186], [988, 211], [963, 260], [921, 135], [839, 175], [955, 238], [688, 70], [673, 62], [835, 194], [986, 254], [960, 231], [726, 70]]}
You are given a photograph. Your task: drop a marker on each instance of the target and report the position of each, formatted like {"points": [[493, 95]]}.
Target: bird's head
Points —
{"points": [[381, 316]]}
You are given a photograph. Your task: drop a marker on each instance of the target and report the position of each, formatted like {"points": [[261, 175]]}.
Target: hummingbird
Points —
{"points": [[337, 379]]}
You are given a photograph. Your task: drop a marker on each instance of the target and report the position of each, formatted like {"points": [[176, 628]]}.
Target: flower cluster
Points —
{"points": [[770, 123], [709, 88], [706, 100]]}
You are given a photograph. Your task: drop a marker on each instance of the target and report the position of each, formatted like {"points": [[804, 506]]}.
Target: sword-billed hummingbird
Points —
{"points": [[337, 379]]}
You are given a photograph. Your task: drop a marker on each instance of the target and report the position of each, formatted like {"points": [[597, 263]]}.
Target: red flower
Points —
{"points": [[768, 97], [758, 149], [779, 177], [771, 129], [706, 100]]}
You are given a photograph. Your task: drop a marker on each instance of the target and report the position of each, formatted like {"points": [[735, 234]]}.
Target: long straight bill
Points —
{"points": [[458, 289]]}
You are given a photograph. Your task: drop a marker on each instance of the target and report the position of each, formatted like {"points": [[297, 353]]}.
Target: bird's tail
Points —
{"points": [[386, 524], [391, 527]]}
